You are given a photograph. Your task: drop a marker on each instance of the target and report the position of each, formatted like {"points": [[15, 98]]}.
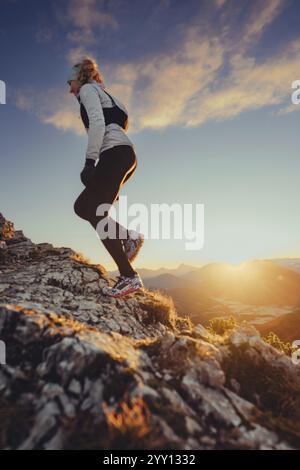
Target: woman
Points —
{"points": [[105, 119]]}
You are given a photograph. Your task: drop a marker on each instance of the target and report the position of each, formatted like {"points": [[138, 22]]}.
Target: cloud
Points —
{"points": [[53, 106], [292, 108], [65, 119], [85, 18], [204, 78], [174, 80], [85, 14], [249, 86], [75, 54], [22, 102], [220, 3], [262, 14], [81, 21]]}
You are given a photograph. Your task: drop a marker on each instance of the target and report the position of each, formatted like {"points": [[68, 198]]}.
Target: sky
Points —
{"points": [[207, 84]]}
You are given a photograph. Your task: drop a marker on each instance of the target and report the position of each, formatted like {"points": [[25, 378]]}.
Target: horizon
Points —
{"points": [[176, 267]]}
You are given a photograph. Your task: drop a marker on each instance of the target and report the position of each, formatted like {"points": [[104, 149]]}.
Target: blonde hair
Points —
{"points": [[88, 70]]}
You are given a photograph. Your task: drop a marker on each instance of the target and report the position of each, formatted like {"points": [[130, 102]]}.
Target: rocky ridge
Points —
{"points": [[87, 372]]}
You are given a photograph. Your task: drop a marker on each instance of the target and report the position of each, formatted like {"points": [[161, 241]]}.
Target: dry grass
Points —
{"points": [[78, 256], [131, 420], [133, 426], [128, 425], [221, 325], [276, 342], [160, 308]]}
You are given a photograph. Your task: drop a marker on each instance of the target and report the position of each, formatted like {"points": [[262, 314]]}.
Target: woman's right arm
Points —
{"points": [[91, 101]]}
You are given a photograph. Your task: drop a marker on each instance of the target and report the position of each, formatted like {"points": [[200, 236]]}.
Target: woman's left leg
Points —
{"points": [[112, 170]]}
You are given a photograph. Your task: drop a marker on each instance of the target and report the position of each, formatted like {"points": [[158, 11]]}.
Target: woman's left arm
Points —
{"points": [[91, 101]]}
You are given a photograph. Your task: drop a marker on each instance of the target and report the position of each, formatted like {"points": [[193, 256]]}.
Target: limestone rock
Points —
{"points": [[88, 372]]}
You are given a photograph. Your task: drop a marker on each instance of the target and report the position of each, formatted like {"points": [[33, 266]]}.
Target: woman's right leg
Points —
{"points": [[121, 230], [84, 208]]}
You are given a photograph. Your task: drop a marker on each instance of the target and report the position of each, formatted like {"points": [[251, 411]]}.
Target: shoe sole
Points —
{"points": [[122, 294]]}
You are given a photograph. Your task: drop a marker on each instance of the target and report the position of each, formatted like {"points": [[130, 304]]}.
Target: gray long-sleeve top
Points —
{"points": [[100, 136]]}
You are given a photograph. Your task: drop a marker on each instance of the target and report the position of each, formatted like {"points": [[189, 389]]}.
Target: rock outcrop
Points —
{"points": [[87, 372]]}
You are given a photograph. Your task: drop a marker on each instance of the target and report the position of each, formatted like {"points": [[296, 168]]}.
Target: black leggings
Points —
{"points": [[115, 166]]}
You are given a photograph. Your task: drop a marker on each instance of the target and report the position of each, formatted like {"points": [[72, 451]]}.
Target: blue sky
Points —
{"points": [[208, 88]]}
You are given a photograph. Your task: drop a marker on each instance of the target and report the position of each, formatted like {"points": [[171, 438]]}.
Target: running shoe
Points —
{"points": [[124, 285], [133, 244]]}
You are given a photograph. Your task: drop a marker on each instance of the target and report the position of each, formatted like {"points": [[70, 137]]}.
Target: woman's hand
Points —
{"points": [[88, 172]]}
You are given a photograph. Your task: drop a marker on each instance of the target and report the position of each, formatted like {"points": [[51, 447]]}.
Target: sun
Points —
{"points": [[238, 267]]}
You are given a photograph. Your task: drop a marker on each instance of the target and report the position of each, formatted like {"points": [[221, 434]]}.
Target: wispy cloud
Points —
{"points": [[80, 22], [220, 3], [292, 108], [75, 54], [65, 120], [248, 86], [262, 15], [54, 107], [85, 15], [205, 78], [22, 102], [84, 21], [174, 80]]}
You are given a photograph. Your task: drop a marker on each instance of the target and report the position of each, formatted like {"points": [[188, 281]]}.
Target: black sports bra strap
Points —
{"points": [[110, 97], [113, 114], [107, 94]]}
